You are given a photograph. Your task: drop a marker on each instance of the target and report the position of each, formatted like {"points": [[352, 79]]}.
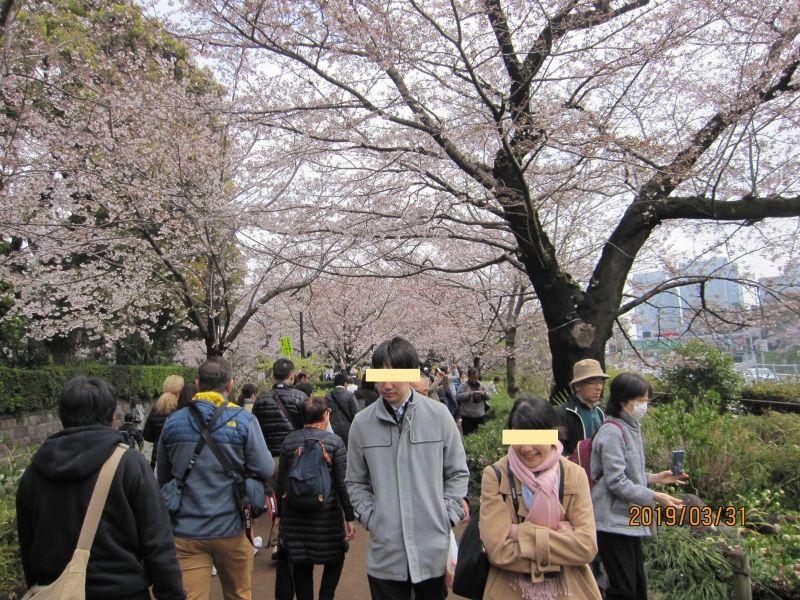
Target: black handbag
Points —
{"points": [[472, 567]]}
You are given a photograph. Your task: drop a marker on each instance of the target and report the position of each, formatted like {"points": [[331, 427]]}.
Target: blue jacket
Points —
{"points": [[208, 509]]}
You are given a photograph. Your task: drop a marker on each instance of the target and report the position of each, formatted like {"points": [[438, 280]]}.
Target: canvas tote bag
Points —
{"points": [[71, 584]]}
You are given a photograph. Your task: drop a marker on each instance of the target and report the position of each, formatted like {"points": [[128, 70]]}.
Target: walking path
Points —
{"points": [[352, 586]]}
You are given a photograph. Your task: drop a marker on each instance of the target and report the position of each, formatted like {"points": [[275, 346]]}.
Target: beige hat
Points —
{"points": [[586, 369]]}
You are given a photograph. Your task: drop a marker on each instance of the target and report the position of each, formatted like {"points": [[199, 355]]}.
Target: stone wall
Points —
{"points": [[33, 428]]}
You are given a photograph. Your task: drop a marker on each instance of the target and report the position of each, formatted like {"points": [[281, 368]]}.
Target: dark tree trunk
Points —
{"points": [[511, 362]]}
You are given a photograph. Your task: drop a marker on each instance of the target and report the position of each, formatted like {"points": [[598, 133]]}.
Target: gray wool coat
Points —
{"points": [[406, 482], [619, 469]]}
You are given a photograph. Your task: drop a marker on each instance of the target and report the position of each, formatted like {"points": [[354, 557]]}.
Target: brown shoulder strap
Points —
{"points": [[98, 501]]}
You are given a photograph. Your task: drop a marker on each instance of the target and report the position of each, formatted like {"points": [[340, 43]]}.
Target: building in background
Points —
{"points": [[660, 316]]}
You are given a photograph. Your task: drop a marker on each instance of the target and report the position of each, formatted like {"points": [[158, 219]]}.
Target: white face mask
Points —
{"points": [[639, 411]]}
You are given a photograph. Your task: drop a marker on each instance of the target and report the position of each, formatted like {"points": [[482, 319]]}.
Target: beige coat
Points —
{"points": [[539, 549]]}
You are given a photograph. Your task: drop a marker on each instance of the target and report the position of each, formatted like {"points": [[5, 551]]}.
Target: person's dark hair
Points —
{"points": [[281, 369], [302, 375], [128, 418], [340, 378], [214, 375], [314, 409], [364, 384], [625, 387], [496, 379], [247, 391], [472, 371], [532, 412], [86, 401], [397, 353], [187, 393]]}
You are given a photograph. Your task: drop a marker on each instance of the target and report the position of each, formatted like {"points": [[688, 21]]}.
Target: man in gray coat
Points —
{"points": [[406, 476]]}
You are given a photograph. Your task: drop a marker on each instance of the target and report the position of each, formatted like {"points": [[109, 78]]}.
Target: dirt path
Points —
{"points": [[352, 586]]}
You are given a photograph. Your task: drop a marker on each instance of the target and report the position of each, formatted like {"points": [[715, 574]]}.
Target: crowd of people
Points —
{"points": [[387, 456]]}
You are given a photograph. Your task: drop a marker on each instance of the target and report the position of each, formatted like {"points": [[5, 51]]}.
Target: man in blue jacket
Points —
{"points": [[208, 528]]}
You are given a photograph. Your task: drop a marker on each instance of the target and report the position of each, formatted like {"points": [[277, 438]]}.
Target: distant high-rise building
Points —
{"points": [[661, 315], [725, 293]]}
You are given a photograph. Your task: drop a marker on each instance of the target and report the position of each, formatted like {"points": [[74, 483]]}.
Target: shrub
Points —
{"points": [[779, 450], [11, 576], [29, 390], [685, 567], [484, 447], [723, 456], [698, 371], [774, 551], [777, 391]]}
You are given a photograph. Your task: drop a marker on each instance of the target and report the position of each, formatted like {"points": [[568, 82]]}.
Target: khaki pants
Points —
{"points": [[233, 557], [273, 483]]}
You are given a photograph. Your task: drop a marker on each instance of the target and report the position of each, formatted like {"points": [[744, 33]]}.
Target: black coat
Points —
{"points": [[344, 407], [274, 424], [317, 537], [133, 547], [153, 425]]}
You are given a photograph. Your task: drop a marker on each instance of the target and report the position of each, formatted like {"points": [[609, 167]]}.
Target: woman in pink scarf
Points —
{"points": [[541, 550]]}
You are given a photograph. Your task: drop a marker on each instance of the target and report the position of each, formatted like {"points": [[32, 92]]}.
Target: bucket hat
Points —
{"points": [[586, 369]]}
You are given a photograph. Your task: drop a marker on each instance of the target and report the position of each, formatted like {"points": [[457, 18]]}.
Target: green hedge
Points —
{"points": [[783, 391], [30, 390]]}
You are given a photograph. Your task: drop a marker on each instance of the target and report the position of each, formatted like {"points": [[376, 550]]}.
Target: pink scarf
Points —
{"points": [[544, 510]]}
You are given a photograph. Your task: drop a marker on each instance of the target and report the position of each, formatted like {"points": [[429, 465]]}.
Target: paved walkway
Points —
{"points": [[352, 586]]}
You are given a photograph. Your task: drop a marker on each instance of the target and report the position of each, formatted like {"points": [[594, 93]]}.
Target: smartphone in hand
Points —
{"points": [[678, 457]]}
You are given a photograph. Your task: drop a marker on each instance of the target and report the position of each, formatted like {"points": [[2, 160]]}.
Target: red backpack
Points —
{"points": [[582, 455]]}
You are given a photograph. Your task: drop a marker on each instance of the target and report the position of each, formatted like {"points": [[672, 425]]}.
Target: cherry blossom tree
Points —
{"points": [[129, 187], [346, 319], [485, 121]]}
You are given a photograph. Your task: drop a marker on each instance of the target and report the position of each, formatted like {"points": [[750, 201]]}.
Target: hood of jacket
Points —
{"points": [[75, 453]]}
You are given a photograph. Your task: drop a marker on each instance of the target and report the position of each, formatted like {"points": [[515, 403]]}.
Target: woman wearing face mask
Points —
{"points": [[541, 550], [621, 482]]}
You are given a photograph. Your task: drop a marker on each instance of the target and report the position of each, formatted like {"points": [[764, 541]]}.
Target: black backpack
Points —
{"points": [[308, 483]]}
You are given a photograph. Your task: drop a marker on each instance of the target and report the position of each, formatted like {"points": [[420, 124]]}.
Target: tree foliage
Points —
{"points": [[499, 122]]}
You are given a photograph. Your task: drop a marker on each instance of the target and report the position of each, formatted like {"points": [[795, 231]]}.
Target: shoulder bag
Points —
{"points": [[252, 496], [71, 584], [172, 491]]}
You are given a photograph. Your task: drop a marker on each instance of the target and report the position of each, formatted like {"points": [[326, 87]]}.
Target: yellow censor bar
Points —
{"points": [[393, 375], [534, 437]]}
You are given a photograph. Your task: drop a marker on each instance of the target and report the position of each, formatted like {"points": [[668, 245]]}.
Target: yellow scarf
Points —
{"points": [[215, 398]]}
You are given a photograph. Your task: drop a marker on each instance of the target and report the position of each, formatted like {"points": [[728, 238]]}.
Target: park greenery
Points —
{"points": [[733, 459], [204, 177]]}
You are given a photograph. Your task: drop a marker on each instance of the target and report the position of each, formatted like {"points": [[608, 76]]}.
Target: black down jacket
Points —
{"points": [[317, 537], [274, 424]]}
